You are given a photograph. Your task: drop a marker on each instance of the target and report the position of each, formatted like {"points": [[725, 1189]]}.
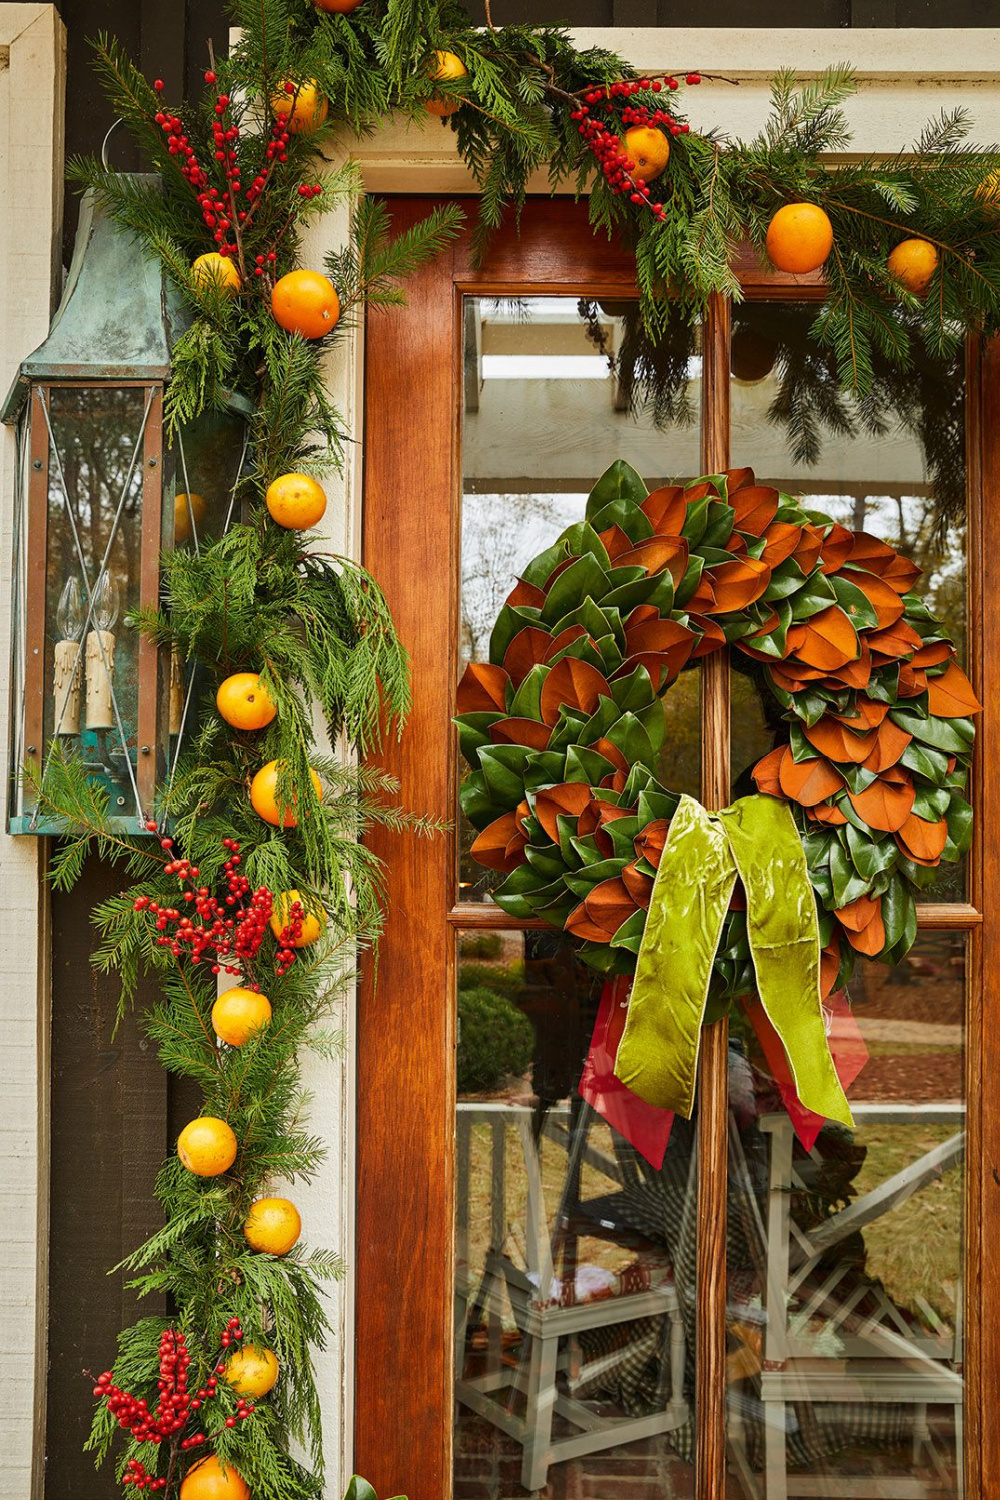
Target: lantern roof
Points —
{"points": [[118, 317]]}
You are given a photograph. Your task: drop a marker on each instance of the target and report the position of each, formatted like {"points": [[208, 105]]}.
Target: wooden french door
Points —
{"points": [[417, 363]]}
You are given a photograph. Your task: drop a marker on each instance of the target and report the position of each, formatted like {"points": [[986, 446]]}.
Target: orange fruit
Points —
{"points": [[305, 302], [649, 149], [445, 68], [208, 1480], [264, 796], [207, 1146], [217, 269], [273, 1226], [913, 263], [799, 238], [304, 109], [252, 1371], [238, 1014], [312, 925], [295, 501], [337, 7], [988, 192], [189, 518], [243, 701]]}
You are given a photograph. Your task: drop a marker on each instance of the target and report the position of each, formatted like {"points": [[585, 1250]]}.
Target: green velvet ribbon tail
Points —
{"points": [[756, 839]]}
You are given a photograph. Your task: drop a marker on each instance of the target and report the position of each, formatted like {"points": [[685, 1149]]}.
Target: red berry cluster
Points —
{"points": [[230, 929], [179, 145], [288, 937], [175, 1408], [607, 144]]}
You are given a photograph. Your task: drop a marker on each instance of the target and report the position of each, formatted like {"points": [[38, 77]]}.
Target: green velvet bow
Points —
{"points": [[755, 839]]}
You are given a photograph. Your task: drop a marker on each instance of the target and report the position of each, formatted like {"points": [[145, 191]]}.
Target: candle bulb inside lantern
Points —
{"points": [[101, 653], [67, 665]]}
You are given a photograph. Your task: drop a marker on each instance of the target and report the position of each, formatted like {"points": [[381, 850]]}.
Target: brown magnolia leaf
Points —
{"points": [[567, 800], [827, 640], [651, 842], [527, 649], [666, 509], [887, 803], [877, 557], [700, 490], [754, 507], [857, 914], [567, 562], [736, 545], [521, 732], [657, 635], [483, 688], [612, 753], [890, 743], [638, 885], [735, 584], [596, 814], [525, 594], [780, 540], [582, 925], [501, 845], [886, 603], [656, 553], [950, 696], [933, 654], [836, 549], [615, 782], [922, 841], [609, 904], [838, 743], [911, 681], [712, 636], [765, 773], [738, 479], [640, 614], [855, 674], [574, 684], [898, 640], [867, 714], [664, 667], [702, 601], [810, 545], [615, 541], [826, 812], [789, 684], [869, 940], [808, 781], [829, 967]]}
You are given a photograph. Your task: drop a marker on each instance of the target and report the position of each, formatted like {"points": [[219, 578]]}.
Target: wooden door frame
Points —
{"points": [[404, 1251]]}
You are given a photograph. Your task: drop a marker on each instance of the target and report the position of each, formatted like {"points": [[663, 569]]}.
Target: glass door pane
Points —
{"points": [[575, 1254], [846, 1247]]}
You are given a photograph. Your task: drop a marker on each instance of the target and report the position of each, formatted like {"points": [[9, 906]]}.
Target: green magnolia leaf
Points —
{"points": [[625, 597], [627, 515], [952, 735], [586, 850], [581, 539], [899, 915], [931, 802], [474, 732], [696, 521], [653, 805], [359, 1489], [634, 692], [477, 804], [595, 621], [690, 581], [631, 739], [619, 481], [588, 766], [932, 764], [582, 577], [629, 934], [623, 832], [527, 700], [786, 579], [856, 606], [848, 885], [546, 860], [581, 882], [813, 598], [572, 726], [503, 771], [540, 569], [870, 858], [718, 526], [547, 769], [959, 817]]}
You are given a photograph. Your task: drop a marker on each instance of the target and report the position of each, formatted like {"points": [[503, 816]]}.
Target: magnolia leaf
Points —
{"points": [[619, 481]]}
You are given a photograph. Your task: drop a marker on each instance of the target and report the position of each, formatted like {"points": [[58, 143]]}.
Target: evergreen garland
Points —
{"points": [[317, 628]]}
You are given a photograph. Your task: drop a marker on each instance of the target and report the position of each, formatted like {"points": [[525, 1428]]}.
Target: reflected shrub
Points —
{"points": [[496, 1040]]}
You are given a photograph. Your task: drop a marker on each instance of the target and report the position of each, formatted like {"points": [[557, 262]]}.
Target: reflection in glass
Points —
{"points": [[845, 1252], [574, 1324], [892, 465], [555, 389]]}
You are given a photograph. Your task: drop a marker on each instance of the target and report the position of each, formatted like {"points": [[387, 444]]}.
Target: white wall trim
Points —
{"points": [[32, 82]]}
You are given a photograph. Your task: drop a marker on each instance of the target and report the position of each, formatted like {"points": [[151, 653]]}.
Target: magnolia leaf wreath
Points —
{"points": [[770, 900]]}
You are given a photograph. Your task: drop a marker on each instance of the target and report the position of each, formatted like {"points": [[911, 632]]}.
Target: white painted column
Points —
{"points": [[32, 77]]}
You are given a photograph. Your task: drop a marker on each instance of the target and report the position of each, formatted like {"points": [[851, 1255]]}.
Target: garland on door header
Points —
{"points": [[564, 724], [265, 878]]}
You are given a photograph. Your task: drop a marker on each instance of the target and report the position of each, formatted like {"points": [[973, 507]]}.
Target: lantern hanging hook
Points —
{"points": [[104, 144]]}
